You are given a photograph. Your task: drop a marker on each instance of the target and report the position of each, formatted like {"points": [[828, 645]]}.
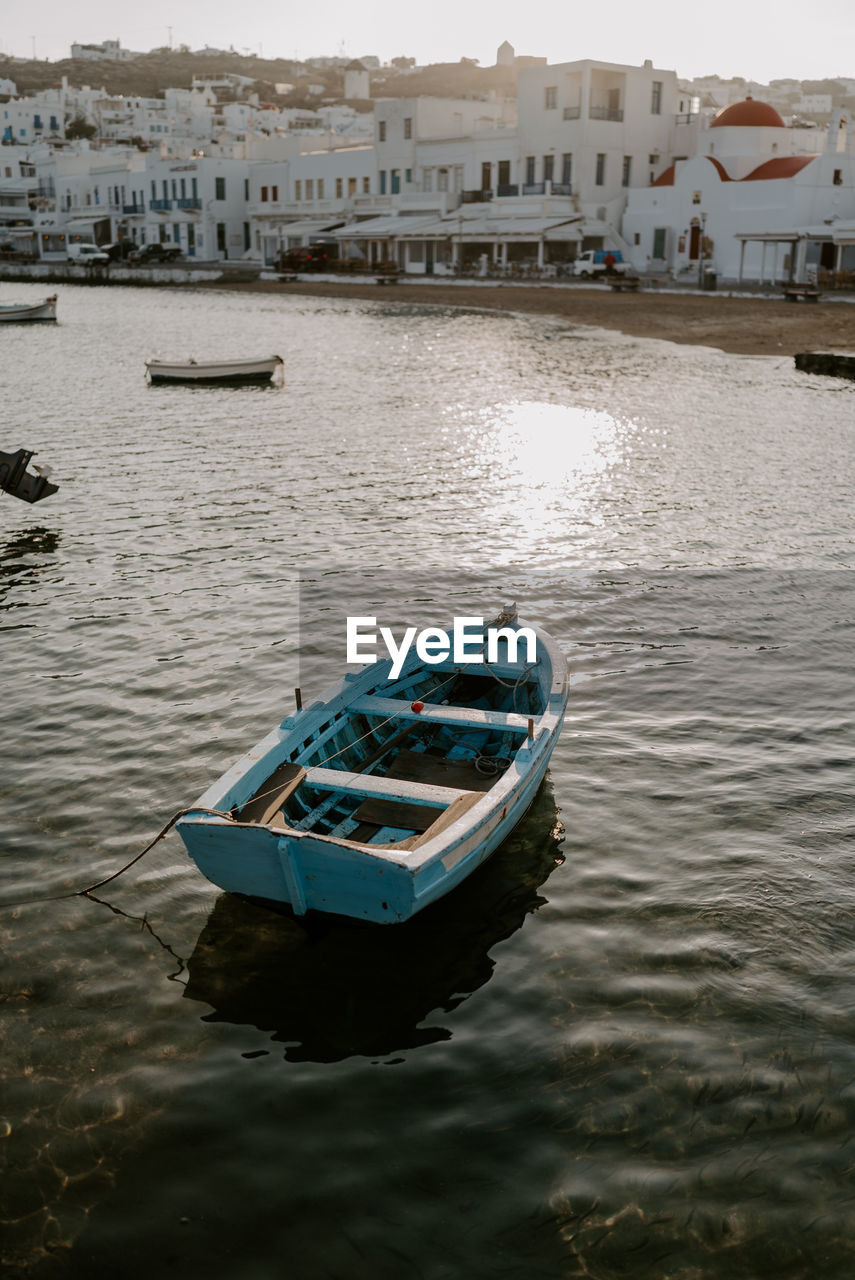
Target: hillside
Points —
{"points": [[149, 75]]}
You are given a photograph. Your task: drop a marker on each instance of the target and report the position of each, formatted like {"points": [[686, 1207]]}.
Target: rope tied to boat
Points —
{"points": [[81, 893]]}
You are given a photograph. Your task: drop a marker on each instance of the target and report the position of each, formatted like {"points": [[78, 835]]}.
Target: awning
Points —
{"points": [[82, 224], [307, 227], [389, 228]]}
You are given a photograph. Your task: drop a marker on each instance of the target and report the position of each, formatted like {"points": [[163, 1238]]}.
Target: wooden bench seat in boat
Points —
{"points": [[272, 795], [470, 717], [420, 767]]}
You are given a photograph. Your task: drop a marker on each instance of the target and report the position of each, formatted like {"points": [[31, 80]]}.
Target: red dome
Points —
{"points": [[749, 114]]}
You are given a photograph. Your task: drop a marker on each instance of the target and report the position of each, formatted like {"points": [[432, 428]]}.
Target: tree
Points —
{"points": [[79, 128]]}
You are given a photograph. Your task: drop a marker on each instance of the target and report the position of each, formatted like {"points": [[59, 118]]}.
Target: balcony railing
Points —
{"points": [[606, 113], [572, 113], [477, 197], [534, 189], [188, 202], [686, 118], [562, 189], [160, 206], [133, 208], [508, 189]]}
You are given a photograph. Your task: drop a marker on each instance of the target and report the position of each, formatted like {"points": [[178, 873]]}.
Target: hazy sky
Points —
{"points": [[730, 37]]}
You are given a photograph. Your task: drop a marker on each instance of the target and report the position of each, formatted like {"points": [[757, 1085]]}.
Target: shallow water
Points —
{"points": [[627, 1045]]}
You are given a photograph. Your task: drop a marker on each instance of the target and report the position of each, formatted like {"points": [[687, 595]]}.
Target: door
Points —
{"points": [[428, 257], [659, 237]]}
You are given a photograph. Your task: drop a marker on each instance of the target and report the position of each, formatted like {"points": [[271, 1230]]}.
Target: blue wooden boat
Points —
{"points": [[387, 793]]}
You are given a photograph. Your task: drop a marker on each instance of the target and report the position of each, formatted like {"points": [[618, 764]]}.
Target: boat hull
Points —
{"points": [[224, 373], [21, 313], [309, 873]]}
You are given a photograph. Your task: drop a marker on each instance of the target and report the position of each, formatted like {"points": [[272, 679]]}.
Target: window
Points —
{"points": [[550, 96], [600, 177], [656, 98], [567, 168], [427, 179], [366, 186], [408, 176], [183, 188], [165, 188], [395, 176], [529, 169], [408, 126], [298, 189], [153, 189], [381, 131], [838, 178], [274, 194], [548, 168], [503, 178], [194, 185], [627, 171], [174, 189], [339, 188], [320, 188], [246, 188], [382, 182], [442, 179], [310, 188], [264, 195], [351, 186], [219, 188]]}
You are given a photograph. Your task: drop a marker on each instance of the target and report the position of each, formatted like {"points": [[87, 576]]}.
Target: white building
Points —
{"points": [[107, 51], [753, 205], [597, 129]]}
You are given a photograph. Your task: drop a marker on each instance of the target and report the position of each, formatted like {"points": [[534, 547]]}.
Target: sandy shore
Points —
{"points": [[746, 325]]}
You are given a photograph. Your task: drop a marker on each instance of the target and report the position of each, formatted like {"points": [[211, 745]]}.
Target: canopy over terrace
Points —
{"points": [[833, 239], [408, 238]]}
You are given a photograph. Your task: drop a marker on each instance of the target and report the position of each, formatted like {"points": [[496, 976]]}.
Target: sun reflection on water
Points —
{"points": [[551, 462]]}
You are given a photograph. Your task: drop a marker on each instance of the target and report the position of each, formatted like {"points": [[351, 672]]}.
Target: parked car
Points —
{"points": [[310, 257], [155, 252], [595, 262], [118, 250], [88, 254]]}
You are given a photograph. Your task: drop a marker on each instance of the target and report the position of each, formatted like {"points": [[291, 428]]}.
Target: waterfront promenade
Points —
{"points": [[742, 320]]}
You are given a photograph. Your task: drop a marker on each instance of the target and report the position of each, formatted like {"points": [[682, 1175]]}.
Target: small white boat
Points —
{"points": [[16, 312], [214, 371]]}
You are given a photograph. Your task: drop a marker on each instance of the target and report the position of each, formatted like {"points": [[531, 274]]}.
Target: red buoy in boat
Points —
{"points": [[417, 706]]}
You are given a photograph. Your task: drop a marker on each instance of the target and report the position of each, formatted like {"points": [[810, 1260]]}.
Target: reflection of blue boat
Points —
{"points": [[379, 799]]}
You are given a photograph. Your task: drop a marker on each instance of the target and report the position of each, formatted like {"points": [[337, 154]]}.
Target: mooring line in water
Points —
{"points": [[81, 893]]}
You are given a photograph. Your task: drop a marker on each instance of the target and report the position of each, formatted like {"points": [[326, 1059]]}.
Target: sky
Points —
{"points": [[729, 38]]}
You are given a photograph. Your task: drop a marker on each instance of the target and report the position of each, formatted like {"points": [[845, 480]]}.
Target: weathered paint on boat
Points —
{"points": [[232, 372], [19, 312], [311, 871]]}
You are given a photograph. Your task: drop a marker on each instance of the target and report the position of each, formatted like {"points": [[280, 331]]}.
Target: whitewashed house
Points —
{"points": [[754, 205]]}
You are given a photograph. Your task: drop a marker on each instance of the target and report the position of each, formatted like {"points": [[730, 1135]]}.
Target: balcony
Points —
{"points": [[572, 113], [533, 189], [477, 197], [133, 208], [507, 189], [160, 206], [686, 118], [188, 202], [606, 113]]}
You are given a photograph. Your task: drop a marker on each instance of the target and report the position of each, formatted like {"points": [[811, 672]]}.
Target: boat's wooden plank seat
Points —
{"points": [[366, 784], [419, 766], [434, 713], [272, 794], [394, 813]]}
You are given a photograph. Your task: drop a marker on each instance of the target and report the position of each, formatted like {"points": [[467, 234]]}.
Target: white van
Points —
{"points": [[86, 253]]}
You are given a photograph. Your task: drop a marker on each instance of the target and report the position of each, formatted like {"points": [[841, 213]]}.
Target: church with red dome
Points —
{"points": [[760, 201]]}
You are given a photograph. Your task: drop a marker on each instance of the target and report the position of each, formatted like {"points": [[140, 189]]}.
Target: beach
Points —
{"points": [[760, 325]]}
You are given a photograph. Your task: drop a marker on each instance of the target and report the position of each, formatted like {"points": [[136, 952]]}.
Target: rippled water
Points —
{"points": [[627, 1045]]}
